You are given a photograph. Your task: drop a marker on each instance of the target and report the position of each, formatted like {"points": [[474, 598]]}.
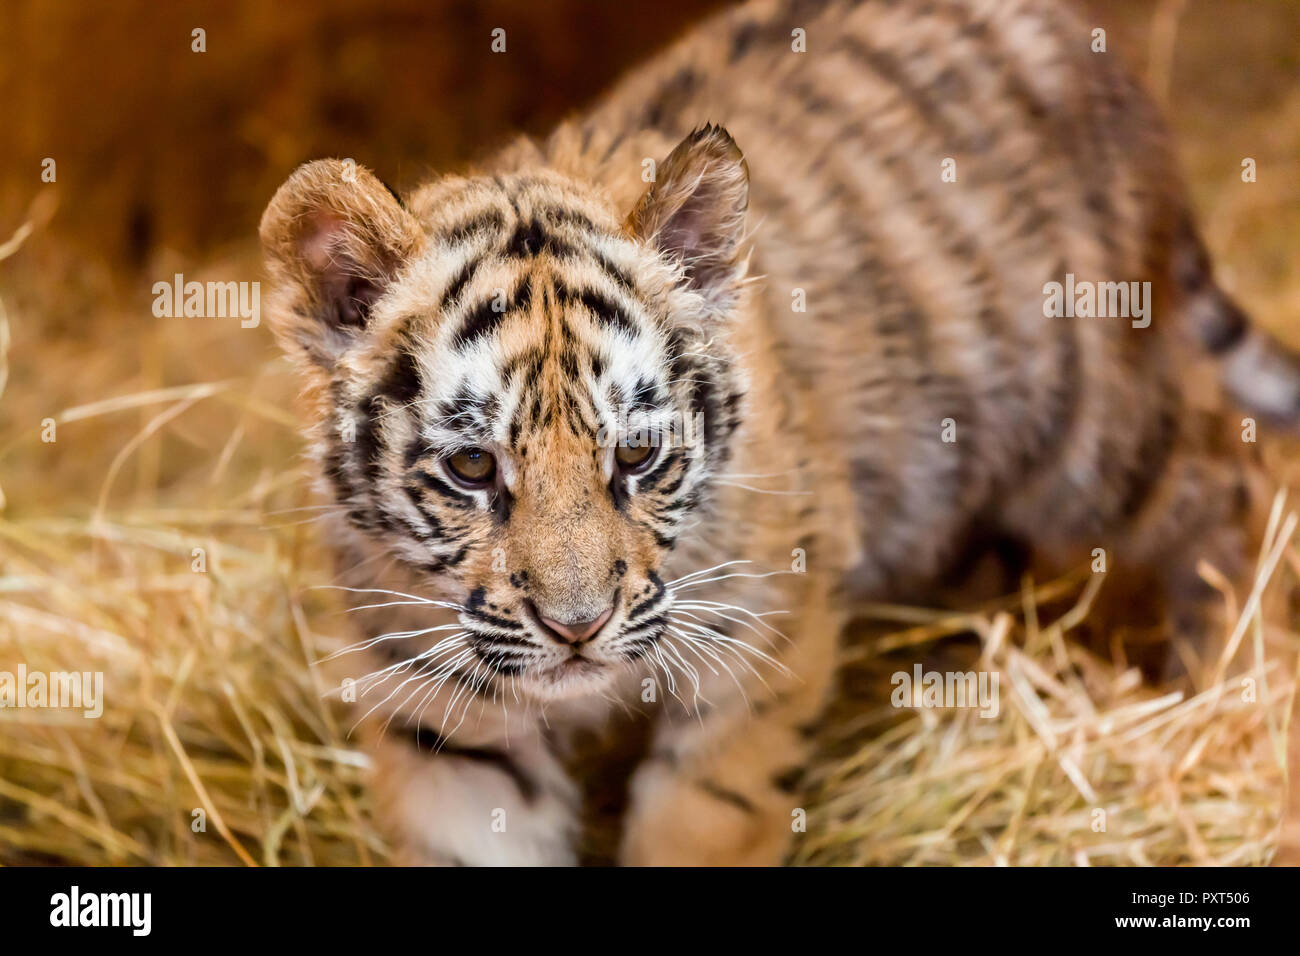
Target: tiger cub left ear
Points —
{"points": [[335, 238], [695, 212]]}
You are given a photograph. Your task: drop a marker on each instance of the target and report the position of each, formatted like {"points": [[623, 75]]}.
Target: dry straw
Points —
{"points": [[216, 744], [213, 716], [1084, 764]]}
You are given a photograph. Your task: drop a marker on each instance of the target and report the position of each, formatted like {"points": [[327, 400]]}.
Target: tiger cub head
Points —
{"points": [[523, 392]]}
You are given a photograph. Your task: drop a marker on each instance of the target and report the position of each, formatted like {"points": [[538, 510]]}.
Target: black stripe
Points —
{"points": [[426, 739], [529, 239], [464, 408], [436, 484], [474, 608], [417, 502], [459, 282], [492, 219], [656, 591], [564, 216], [503, 503], [368, 447], [484, 319], [664, 106], [933, 113], [335, 472], [789, 781], [648, 481], [401, 384], [606, 310], [742, 40], [621, 278], [1228, 326], [1219, 323], [480, 322], [737, 800], [900, 322]]}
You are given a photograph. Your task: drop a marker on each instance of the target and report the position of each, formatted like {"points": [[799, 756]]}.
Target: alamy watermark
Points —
{"points": [[133, 911], [935, 689], [56, 690], [639, 428], [1102, 300], [208, 300]]}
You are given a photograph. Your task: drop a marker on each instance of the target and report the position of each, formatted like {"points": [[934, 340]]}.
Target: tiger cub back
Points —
{"points": [[922, 176]]}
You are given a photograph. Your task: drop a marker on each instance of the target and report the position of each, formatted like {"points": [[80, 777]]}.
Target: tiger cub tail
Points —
{"points": [[1257, 370]]}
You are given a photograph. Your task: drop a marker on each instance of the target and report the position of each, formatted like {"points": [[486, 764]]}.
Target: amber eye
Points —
{"points": [[634, 458], [472, 467]]}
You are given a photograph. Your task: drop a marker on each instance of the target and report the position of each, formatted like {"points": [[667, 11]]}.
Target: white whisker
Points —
{"points": [[686, 607], [694, 643], [695, 574], [729, 641], [411, 597], [761, 491], [391, 636], [394, 691], [724, 577], [374, 677]]}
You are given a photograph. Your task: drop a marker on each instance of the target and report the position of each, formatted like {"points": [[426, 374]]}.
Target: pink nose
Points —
{"points": [[578, 632]]}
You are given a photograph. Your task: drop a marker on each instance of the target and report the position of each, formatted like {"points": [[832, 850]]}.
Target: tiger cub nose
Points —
{"points": [[577, 632]]}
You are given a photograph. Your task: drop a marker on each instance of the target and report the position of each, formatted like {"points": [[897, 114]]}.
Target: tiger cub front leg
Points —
{"points": [[721, 788], [472, 802], [726, 801]]}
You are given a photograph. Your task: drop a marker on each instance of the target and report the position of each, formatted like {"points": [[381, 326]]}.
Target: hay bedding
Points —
{"points": [[176, 554]]}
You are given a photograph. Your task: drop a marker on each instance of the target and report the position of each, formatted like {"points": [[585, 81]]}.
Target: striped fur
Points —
{"points": [[524, 309]]}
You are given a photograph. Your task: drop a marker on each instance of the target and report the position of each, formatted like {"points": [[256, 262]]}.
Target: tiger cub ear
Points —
{"points": [[695, 211], [334, 238]]}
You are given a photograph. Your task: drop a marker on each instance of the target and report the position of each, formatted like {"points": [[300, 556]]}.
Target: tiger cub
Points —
{"points": [[624, 417]]}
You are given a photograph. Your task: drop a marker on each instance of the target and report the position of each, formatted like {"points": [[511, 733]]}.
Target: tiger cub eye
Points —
{"points": [[473, 466], [633, 458]]}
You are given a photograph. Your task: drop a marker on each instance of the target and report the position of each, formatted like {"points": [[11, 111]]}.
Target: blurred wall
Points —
{"points": [[161, 147], [155, 143]]}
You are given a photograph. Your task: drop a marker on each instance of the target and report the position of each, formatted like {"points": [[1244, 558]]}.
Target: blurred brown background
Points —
{"points": [[157, 144]]}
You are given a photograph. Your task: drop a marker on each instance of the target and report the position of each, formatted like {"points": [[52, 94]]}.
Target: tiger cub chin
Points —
{"points": [[621, 418]]}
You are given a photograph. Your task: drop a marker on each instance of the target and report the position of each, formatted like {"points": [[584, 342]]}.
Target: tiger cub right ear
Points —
{"points": [[334, 238], [695, 212]]}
